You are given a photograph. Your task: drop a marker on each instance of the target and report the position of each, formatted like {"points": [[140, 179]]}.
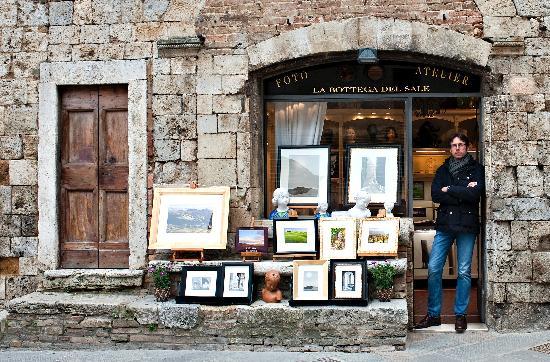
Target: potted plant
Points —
{"points": [[383, 274], [161, 279]]}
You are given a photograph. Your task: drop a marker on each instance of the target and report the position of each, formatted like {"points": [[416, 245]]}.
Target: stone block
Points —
{"points": [[29, 225], [96, 322], [60, 53], [5, 249], [538, 125], [110, 51], [35, 40], [189, 102], [230, 64], [232, 84], [504, 181], [243, 159], [24, 246], [540, 293], [167, 150], [239, 217], [518, 292], [516, 84], [85, 52], [167, 105], [519, 231], [541, 267], [539, 235], [188, 150], [498, 27], [509, 266], [531, 8], [161, 66], [64, 34], [227, 104], [217, 145], [23, 119], [122, 33], [23, 172], [175, 172], [207, 124], [173, 84], [183, 316], [8, 13], [10, 225], [30, 146], [175, 127], [537, 46], [96, 34], [24, 200], [546, 171], [204, 104], [530, 181], [522, 65], [32, 14], [499, 236], [28, 266], [153, 10], [209, 84], [184, 65], [11, 147], [217, 172], [61, 13], [138, 50], [517, 153], [516, 103], [4, 173], [11, 39], [229, 123]]}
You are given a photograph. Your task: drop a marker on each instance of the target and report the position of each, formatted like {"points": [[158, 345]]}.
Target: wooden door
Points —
{"points": [[94, 177]]}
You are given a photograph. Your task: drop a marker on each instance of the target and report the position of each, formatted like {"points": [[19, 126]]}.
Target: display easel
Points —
{"points": [[188, 255]]}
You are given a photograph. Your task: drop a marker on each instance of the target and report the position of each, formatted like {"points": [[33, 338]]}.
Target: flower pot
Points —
{"points": [[384, 295], [162, 294]]}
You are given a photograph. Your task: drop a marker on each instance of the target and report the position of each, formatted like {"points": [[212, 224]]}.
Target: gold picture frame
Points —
{"points": [[338, 238], [189, 218], [378, 236], [310, 280]]}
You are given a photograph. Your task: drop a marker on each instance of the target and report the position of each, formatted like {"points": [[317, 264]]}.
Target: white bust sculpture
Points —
{"points": [[281, 198], [388, 205], [360, 210]]}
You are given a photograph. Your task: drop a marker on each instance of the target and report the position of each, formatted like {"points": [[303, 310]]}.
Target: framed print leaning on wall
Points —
{"points": [[378, 237], [295, 236], [310, 280], [338, 238], [348, 281], [304, 172], [374, 169], [200, 284], [186, 218], [238, 283]]}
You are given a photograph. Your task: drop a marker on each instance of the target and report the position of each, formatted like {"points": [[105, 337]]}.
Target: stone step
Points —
{"points": [[91, 279], [106, 319]]}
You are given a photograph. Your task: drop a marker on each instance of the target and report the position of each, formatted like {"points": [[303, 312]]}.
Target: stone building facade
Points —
{"points": [[194, 115]]}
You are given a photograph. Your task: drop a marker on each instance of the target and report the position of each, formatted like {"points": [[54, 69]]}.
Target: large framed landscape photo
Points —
{"points": [[295, 236], [305, 172], [186, 218], [374, 169]]}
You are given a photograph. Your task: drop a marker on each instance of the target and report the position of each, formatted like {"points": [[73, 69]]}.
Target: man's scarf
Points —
{"points": [[456, 166]]}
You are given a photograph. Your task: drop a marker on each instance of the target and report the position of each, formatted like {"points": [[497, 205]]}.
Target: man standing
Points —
{"points": [[457, 187]]}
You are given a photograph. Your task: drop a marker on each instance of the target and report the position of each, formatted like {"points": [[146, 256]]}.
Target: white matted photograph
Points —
{"points": [[201, 283], [310, 279], [237, 281], [295, 236], [186, 218], [304, 172], [338, 238], [348, 280], [378, 236], [374, 170]]}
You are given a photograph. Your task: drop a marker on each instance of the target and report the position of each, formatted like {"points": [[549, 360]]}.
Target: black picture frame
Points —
{"points": [[363, 300], [399, 200], [319, 199], [239, 247], [277, 250], [184, 298], [418, 190], [248, 299]]}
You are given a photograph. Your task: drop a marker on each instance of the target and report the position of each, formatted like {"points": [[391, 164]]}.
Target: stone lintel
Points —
{"points": [[78, 279]]}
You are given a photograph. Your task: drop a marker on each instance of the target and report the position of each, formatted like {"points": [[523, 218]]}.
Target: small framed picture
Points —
{"points": [[305, 172], [348, 280], [251, 239], [374, 169], [310, 280], [378, 237], [295, 236], [238, 281], [418, 190], [200, 284], [338, 238]]}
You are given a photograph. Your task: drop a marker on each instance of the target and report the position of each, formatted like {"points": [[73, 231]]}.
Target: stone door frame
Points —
{"points": [[54, 74]]}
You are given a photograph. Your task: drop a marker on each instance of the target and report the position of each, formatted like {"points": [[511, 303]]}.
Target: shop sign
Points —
{"points": [[385, 78]]}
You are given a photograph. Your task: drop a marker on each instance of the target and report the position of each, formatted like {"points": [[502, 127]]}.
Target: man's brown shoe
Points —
{"points": [[461, 324], [428, 321]]}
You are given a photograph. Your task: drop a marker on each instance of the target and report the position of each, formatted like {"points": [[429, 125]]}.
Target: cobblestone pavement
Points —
{"points": [[470, 346]]}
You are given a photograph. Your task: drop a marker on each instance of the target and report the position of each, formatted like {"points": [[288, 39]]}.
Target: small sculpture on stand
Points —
{"points": [[281, 197], [322, 208], [271, 292], [388, 205], [360, 210]]}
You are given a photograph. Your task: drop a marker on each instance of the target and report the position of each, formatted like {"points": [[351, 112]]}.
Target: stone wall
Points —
{"points": [[516, 117]]}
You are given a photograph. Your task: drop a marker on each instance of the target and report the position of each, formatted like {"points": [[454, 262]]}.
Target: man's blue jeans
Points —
{"points": [[440, 248]]}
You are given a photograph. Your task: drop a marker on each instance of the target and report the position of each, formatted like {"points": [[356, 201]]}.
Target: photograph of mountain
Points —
{"points": [[303, 175], [185, 219]]}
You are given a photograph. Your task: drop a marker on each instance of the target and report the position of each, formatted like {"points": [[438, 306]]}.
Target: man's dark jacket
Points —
{"points": [[458, 207]]}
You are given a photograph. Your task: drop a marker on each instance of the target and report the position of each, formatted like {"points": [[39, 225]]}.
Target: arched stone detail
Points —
{"points": [[369, 32]]}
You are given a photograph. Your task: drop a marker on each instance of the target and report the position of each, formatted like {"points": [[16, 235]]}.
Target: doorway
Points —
{"points": [[93, 200]]}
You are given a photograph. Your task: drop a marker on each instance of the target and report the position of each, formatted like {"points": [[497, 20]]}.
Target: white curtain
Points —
{"points": [[299, 123]]}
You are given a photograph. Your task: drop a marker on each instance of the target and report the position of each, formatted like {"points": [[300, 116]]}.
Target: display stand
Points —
{"points": [[251, 255], [188, 255], [391, 255], [294, 256]]}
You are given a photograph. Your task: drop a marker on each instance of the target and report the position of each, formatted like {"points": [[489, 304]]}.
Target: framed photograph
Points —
{"points": [[374, 169], [305, 172], [200, 284], [238, 283], [186, 218], [251, 239], [418, 190], [378, 236], [310, 280], [348, 279], [338, 238], [295, 236]]}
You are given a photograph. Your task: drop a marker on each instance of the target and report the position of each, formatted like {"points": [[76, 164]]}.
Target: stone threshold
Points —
{"points": [[261, 267], [136, 320], [450, 328], [92, 279]]}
